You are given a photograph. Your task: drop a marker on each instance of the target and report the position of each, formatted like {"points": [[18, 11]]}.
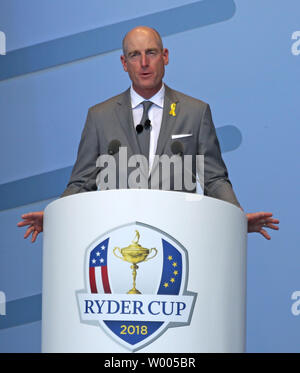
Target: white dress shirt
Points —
{"points": [[155, 114]]}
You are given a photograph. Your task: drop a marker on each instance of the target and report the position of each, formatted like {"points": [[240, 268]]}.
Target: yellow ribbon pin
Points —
{"points": [[172, 111]]}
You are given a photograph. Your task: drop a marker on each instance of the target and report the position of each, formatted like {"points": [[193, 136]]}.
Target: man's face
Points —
{"points": [[145, 61]]}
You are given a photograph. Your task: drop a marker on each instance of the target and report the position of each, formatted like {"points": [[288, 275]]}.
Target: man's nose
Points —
{"points": [[144, 60]]}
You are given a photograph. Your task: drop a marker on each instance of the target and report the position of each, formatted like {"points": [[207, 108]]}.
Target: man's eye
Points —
{"points": [[132, 55]]}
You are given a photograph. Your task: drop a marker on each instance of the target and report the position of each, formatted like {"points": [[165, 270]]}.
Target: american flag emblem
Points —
{"points": [[99, 281]]}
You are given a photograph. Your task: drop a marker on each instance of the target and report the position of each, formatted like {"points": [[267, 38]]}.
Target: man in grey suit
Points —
{"points": [[146, 119]]}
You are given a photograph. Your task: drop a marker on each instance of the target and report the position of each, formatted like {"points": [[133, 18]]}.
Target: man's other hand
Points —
{"points": [[258, 221], [35, 222]]}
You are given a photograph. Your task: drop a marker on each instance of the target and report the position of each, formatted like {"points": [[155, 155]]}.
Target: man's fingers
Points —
{"points": [[25, 222], [266, 221], [34, 233], [272, 226], [28, 232], [27, 216], [262, 214], [259, 216], [259, 221], [30, 215], [35, 222], [265, 234], [34, 236], [274, 221]]}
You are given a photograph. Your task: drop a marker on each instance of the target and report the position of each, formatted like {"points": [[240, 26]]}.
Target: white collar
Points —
{"points": [[157, 99]]}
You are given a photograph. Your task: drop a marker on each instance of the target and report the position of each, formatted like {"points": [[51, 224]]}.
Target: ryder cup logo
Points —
{"points": [[136, 285]]}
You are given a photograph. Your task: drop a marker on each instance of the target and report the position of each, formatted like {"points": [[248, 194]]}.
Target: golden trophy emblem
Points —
{"points": [[134, 254]]}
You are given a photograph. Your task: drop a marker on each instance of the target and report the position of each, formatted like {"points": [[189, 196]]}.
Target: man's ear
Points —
{"points": [[124, 63], [166, 56]]}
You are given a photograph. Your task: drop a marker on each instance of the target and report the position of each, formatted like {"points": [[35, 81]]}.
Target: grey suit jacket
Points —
{"points": [[113, 119]]}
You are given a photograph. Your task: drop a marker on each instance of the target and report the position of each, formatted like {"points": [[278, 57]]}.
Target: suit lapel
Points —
{"points": [[124, 114], [167, 124], [168, 120]]}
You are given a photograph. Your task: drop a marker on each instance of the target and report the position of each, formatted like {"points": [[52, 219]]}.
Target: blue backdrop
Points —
{"points": [[243, 58]]}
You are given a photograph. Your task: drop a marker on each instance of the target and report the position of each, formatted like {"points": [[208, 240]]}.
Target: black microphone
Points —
{"points": [[113, 148], [177, 148], [147, 126], [139, 128]]}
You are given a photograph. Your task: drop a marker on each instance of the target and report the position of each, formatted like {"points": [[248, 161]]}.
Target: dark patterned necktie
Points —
{"points": [[144, 135]]}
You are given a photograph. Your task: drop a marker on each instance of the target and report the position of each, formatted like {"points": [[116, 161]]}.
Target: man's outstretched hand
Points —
{"points": [[258, 221], [35, 222]]}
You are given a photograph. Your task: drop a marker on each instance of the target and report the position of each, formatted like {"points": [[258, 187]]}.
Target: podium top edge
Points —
{"points": [[184, 196]]}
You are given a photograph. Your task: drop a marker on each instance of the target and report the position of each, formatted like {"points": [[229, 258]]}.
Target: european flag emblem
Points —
{"points": [[172, 270]]}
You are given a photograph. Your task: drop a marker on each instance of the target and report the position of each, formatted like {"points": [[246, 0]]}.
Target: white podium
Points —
{"points": [[182, 256]]}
